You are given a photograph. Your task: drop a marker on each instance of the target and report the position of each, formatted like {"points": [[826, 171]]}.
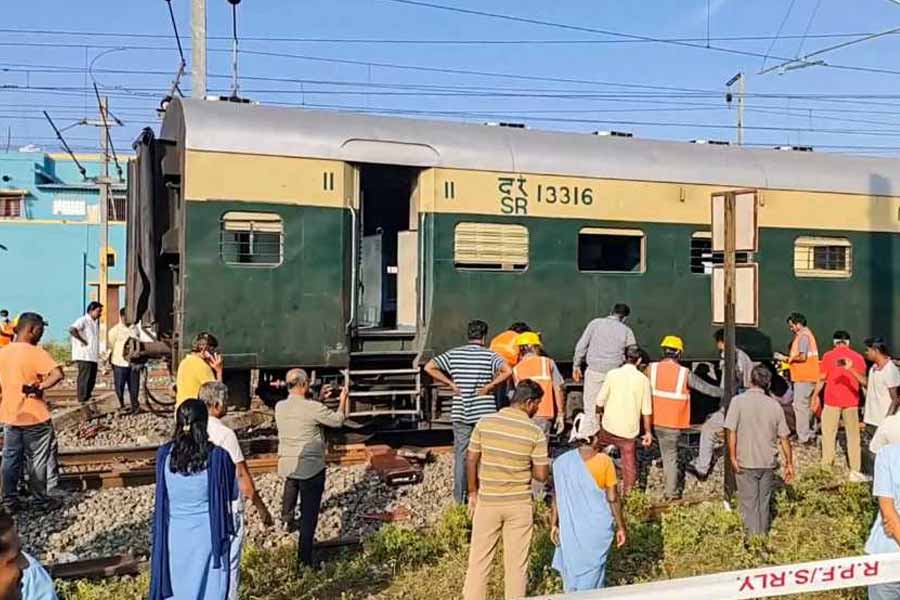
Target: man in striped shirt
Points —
{"points": [[471, 372], [506, 452]]}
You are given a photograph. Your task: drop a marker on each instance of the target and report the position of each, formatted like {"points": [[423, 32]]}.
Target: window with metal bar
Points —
{"points": [[703, 258], [492, 246], [251, 239], [828, 257], [611, 250], [11, 207]]}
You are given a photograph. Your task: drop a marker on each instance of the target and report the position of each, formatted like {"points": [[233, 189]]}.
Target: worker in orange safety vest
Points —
{"points": [[803, 363], [543, 371], [671, 385]]}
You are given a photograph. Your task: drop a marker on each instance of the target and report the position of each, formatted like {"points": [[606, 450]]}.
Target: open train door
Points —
{"points": [[386, 265]]}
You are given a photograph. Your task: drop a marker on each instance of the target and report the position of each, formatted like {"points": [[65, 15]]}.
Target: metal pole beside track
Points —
{"points": [[730, 279], [198, 48]]}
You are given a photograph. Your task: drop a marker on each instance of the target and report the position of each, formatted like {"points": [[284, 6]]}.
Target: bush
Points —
{"points": [[818, 517], [400, 547], [60, 352], [122, 588]]}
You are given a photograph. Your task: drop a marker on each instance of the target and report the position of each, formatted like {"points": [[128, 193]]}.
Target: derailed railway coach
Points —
{"points": [[359, 246]]}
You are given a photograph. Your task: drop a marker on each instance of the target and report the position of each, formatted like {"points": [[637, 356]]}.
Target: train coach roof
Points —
{"points": [[280, 131]]}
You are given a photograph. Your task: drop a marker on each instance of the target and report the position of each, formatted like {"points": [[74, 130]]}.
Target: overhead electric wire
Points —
{"points": [[183, 62], [62, 141], [424, 41], [778, 33], [109, 140], [607, 32], [809, 23]]}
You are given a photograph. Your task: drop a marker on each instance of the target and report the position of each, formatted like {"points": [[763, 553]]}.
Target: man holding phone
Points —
{"points": [[202, 365], [841, 401]]}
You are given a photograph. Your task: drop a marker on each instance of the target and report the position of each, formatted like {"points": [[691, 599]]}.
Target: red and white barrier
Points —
{"points": [[763, 582]]}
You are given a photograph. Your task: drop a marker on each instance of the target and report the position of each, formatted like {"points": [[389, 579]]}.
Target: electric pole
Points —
{"points": [[198, 45], [104, 184], [739, 79]]}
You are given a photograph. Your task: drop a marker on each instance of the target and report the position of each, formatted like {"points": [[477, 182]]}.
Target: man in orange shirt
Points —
{"points": [[6, 329], [505, 345], [26, 371]]}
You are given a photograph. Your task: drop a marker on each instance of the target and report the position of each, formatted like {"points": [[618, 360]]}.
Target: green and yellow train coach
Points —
{"points": [[361, 245]]}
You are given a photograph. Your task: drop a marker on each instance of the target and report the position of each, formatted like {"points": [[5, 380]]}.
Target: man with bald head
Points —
{"points": [[301, 455]]}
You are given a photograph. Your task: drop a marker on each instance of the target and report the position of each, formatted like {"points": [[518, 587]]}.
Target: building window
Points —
{"points": [[116, 208], [11, 206], [611, 250], [823, 257], [495, 246], [703, 258], [252, 239]]}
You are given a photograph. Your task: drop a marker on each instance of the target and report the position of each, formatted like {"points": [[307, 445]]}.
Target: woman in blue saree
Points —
{"points": [[192, 521], [584, 484]]}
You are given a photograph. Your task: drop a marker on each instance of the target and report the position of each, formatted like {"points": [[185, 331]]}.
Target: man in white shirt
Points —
{"points": [[213, 394], [123, 373], [625, 398], [881, 383], [85, 334]]}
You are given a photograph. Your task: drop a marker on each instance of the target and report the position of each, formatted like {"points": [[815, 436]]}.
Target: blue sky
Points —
{"points": [[656, 90]]}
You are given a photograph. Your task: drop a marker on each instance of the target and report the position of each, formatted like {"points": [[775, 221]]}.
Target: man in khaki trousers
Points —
{"points": [[506, 451]]}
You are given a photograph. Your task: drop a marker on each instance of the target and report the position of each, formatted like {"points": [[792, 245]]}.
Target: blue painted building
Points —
{"points": [[50, 237]]}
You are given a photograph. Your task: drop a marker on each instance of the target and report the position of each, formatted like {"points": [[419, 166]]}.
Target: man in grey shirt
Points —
{"points": [[715, 423], [301, 455], [602, 347], [756, 426]]}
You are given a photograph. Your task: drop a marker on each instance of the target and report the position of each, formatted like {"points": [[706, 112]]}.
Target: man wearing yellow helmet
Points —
{"points": [[543, 371], [670, 384]]}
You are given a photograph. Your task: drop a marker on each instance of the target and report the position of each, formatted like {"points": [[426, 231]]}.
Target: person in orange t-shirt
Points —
{"points": [[26, 371], [7, 334]]}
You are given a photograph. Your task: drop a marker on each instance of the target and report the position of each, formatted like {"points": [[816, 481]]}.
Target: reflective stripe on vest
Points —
{"points": [[808, 370], [539, 369], [671, 396], [664, 389]]}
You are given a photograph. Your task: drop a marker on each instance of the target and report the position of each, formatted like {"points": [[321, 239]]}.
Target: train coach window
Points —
{"points": [[823, 257], [494, 246], [611, 250], [703, 258], [251, 239]]}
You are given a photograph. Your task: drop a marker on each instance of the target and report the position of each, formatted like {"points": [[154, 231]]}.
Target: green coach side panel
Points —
{"points": [[290, 315], [556, 299]]}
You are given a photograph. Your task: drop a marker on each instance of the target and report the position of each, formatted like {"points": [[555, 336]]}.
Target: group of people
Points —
{"points": [[509, 398], [501, 451], [203, 479], [87, 357]]}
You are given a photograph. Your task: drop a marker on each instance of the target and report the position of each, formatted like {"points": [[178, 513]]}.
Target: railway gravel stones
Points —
{"points": [[357, 502], [116, 521], [117, 430]]}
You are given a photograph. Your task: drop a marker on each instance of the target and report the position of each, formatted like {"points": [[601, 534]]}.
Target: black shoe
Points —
{"points": [[692, 470], [49, 504]]}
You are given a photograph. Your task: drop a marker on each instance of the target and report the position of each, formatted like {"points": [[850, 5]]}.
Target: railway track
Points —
{"points": [[95, 468]]}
